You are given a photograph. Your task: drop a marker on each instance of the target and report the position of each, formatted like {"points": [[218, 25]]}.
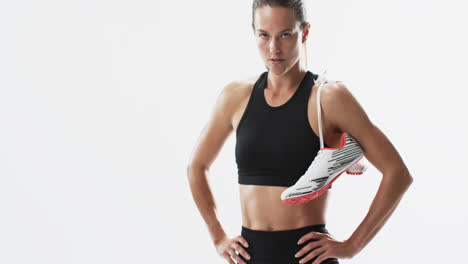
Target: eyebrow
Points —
{"points": [[288, 29]]}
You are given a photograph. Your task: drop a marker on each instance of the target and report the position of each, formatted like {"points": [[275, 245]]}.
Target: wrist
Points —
{"points": [[217, 240], [217, 233], [353, 245]]}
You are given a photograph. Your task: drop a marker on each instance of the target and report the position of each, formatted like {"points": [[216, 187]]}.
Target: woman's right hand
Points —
{"points": [[227, 248]]}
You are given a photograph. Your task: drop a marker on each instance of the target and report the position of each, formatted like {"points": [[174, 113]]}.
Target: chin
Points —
{"points": [[278, 70]]}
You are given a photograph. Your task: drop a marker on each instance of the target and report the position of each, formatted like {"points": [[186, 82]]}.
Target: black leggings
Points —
{"points": [[279, 247]]}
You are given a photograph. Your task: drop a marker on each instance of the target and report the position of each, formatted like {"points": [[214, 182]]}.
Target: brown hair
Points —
{"points": [[299, 11]]}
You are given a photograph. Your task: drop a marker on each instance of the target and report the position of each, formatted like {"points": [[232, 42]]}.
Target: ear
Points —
{"points": [[305, 33]]}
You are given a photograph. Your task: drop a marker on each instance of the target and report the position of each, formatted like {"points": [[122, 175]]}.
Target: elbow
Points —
{"points": [[401, 177], [404, 175], [189, 170], [192, 168], [407, 178], [410, 179]]}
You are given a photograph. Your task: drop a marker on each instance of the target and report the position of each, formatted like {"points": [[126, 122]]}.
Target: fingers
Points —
{"points": [[235, 256], [242, 241], [322, 257], [241, 250], [232, 250], [311, 235], [228, 258], [309, 247], [313, 254]]}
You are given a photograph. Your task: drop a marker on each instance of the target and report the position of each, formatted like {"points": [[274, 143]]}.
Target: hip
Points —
{"points": [[279, 247]]}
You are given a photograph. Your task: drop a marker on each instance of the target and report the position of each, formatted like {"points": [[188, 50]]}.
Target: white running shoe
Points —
{"points": [[327, 166]]}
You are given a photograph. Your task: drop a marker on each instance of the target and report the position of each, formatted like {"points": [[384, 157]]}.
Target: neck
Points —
{"points": [[282, 83]]}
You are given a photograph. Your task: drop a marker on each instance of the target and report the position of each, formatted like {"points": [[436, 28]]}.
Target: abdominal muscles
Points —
{"points": [[262, 209]]}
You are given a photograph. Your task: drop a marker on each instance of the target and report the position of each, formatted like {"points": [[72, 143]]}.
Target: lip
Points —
{"points": [[277, 62]]}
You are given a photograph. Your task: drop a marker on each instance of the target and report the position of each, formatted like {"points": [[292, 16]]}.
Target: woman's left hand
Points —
{"points": [[326, 246]]}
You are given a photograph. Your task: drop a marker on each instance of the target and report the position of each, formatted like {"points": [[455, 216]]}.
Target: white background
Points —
{"points": [[102, 102]]}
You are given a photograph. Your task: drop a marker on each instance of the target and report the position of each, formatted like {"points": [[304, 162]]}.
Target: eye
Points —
{"points": [[287, 35]]}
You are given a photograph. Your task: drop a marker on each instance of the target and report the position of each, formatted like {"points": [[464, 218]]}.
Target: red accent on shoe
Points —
{"points": [[354, 173], [342, 142], [311, 196]]}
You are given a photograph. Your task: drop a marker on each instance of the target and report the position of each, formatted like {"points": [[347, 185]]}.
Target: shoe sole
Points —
{"points": [[356, 172], [311, 196]]}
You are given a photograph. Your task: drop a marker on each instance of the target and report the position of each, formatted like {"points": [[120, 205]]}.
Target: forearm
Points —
{"points": [[203, 197], [389, 194]]}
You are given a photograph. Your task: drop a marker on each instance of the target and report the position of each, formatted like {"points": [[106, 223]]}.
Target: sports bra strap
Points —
{"points": [[320, 80]]}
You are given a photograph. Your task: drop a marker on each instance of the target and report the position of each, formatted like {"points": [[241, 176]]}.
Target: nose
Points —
{"points": [[274, 45]]}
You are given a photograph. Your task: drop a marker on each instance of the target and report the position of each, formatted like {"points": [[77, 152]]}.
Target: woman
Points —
{"points": [[275, 119]]}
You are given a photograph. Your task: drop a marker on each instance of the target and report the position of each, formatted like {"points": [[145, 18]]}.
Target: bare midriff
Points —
{"points": [[263, 209]]}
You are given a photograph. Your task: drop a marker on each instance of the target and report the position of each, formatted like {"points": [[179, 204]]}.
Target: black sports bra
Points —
{"points": [[275, 145]]}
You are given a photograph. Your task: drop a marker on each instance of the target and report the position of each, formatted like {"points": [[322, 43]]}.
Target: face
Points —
{"points": [[278, 35]]}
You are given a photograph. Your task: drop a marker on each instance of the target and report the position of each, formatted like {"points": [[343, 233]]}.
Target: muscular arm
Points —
{"points": [[211, 139], [345, 112]]}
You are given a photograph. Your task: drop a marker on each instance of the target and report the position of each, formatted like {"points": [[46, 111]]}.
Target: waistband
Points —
{"points": [[300, 229], [277, 246]]}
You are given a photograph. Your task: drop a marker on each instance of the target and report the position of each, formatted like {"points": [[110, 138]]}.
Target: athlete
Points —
{"points": [[274, 116]]}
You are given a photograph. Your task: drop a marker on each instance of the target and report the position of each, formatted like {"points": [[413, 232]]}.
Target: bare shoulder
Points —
{"points": [[342, 107], [345, 112], [331, 131], [233, 98], [220, 123], [238, 92], [330, 84], [241, 88], [337, 92]]}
